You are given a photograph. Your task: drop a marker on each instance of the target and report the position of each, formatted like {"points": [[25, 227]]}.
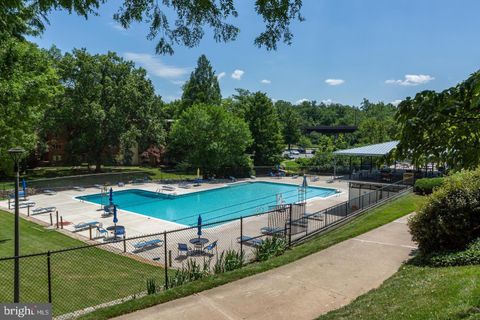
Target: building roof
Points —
{"points": [[331, 129], [373, 150]]}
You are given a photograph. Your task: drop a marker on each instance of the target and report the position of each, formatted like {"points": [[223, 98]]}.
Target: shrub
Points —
{"points": [[191, 272], [450, 218], [151, 286], [229, 260], [427, 185], [469, 256], [270, 247]]}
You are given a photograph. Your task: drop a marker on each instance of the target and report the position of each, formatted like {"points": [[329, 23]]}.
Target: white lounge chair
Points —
{"points": [[43, 210], [49, 192]]}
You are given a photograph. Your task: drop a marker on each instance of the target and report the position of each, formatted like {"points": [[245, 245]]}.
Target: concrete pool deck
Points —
{"points": [[74, 211]]}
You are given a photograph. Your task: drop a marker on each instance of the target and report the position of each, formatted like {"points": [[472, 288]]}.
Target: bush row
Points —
{"points": [[428, 185]]}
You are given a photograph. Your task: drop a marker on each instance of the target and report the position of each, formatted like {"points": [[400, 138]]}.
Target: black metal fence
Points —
{"points": [[78, 280]]}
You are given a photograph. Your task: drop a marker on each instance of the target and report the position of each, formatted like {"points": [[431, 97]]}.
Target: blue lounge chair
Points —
{"points": [[211, 246], [144, 245], [254, 242], [182, 247], [85, 225], [101, 232], [272, 230], [43, 210]]}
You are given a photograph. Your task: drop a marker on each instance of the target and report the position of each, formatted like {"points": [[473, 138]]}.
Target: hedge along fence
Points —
{"points": [[428, 185]]}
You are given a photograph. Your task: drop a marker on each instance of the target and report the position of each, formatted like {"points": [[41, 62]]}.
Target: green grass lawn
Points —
{"points": [[80, 278], [368, 221], [419, 293]]}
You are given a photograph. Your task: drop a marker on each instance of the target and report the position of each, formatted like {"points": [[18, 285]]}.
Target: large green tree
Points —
{"points": [[212, 139], [377, 123], [171, 22], [290, 121], [443, 127], [108, 105], [262, 119], [202, 87], [28, 85]]}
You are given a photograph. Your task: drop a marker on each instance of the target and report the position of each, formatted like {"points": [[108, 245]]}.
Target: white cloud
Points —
{"points": [[154, 66], [221, 75], [237, 74], [396, 102], [302, 100], [265, 81], [327, 101], [116, 26], [412, 80], [179, 82], [334, 82]]}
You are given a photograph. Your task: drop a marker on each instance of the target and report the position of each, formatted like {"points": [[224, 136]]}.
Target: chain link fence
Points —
{"points": [[79, 280]]}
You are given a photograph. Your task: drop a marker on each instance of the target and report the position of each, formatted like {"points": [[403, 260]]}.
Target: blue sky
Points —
{"points": [[345, 51]]}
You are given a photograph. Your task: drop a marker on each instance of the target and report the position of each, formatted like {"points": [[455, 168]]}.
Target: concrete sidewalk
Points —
{"points": [[303, 289]]}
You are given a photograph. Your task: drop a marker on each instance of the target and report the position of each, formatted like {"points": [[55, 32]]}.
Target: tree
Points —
{"points": [[187, 28], [212, 139], [262, 119], [290, 121], [107, 107], [28, 86], [377, 124], [444, 127], [202, 88]]}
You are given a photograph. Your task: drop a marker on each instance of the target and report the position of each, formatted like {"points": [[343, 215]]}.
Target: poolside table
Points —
{"points": [[116, 231], [199, 244]]}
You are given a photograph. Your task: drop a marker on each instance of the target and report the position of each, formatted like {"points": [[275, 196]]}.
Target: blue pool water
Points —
{"points": [[214, 205]]}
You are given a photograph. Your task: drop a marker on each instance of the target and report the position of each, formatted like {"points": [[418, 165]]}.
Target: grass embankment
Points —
{"points": [[80, 278], [368, 221], [419, 293]]}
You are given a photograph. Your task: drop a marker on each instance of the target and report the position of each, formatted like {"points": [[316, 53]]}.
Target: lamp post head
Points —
{"points": [[16, 153]]}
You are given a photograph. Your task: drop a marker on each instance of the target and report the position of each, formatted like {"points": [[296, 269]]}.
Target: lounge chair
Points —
{"points": [[254, 242], [78, 188], [168, 188], [101, 232], [232, 179], [182, 247], [43, 210], [295, 176], [272, 230], [24, 204], [211, 246], [98, 186], [85, 225], [121, 184], [253, 177], [184, 186], [49, 192], [144, 245], [314, 216]]}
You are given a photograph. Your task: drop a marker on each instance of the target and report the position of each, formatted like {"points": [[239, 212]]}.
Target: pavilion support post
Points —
{"points": [[350, 167]]}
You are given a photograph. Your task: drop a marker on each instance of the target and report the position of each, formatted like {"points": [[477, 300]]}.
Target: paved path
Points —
{"points": [[303, 289]]}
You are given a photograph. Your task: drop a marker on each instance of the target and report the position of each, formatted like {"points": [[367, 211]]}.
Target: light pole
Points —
{"points": [[16, 154]]}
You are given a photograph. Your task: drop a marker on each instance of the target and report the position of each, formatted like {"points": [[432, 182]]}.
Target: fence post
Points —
{"points": [[51, 219], [169, 258], [28, 211], [124, 242], [290, 226], [57, 218], [166, 264], [61, 222], [49, 270], [8, 202], [90, 231], [241, 235]]}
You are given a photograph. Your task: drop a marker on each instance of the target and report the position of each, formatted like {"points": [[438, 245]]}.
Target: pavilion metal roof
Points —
{"points": [[373, 150]]}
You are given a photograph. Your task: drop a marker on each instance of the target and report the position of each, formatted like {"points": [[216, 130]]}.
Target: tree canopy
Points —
{"points": [[212, 139], [443, 127], [264, 125], [172, 22], [108, 104], [202, 87], [28, 85]]}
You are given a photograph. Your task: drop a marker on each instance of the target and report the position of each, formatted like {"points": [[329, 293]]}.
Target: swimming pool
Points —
{"points": [[232, 201]]}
